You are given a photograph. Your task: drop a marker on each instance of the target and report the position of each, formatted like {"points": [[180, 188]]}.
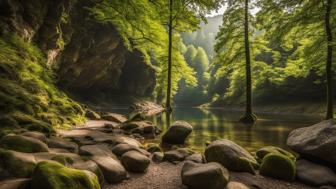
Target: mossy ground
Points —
{"points": [[29, 97]]}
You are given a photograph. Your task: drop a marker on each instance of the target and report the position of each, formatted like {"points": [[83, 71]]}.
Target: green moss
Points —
{"points": [[261, 153], [63, 160], [29, 97], [243, 164], [278, 166], [53, 175], [23, 144]]}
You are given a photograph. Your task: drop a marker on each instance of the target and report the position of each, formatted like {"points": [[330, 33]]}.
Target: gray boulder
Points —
{"points": [[177, 133], [134, 161], [120, 149], [231, 156], [176, 155], [16, 164], [55, 142], [96, 150], [317, 141], [314, 174], [37, 135], [200, 176], [236, 185], [114, 117], [112, 170], [197, 158], [20, 183]]}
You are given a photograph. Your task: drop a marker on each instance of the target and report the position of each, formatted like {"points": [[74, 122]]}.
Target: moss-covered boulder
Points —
{"points": [[23, 144], [278, 166], [16, 164], [92, 166], [53, 175], [262, 152], [231, 156]]}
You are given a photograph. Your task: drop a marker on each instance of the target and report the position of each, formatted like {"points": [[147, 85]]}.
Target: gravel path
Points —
{"points": [[167, 176]]}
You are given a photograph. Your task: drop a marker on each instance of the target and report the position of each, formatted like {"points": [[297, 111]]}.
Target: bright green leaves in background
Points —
{"points": [[288, 48], [142, 26]]}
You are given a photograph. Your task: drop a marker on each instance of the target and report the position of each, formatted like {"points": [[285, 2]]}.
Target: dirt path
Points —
{"points": [[167, 176]]}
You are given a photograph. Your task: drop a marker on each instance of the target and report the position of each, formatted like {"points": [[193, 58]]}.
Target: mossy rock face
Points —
{"points": [[53, 175], [23, 144], [262, 152], [16, 164], [278, 166], [29, 97]]}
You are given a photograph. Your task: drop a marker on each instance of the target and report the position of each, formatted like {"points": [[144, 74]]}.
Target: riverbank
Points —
{"points": [[167, 176], [111, 152]]}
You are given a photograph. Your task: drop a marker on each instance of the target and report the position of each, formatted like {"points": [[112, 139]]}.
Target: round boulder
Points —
{"points": [[200, 176], [23, 144], [231, 156], [37, 135], [134, 161], [53, 175], [262, 152], [278, 166], [177, 133], [318, 141], [314, 174]]}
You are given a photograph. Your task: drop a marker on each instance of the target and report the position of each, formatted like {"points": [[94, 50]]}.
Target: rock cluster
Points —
{"points": [[85, 157]]}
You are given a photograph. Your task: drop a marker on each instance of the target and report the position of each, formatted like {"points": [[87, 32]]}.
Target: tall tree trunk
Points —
{"points": [[170, 33], [249, 117], [329, 114]]}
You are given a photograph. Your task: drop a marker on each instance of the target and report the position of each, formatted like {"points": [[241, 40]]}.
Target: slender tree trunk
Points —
{"points": [[170, 33], [249, 117], [329, 114]]}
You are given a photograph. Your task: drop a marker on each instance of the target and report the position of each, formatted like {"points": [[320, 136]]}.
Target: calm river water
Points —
{"points": [[210, 125]]}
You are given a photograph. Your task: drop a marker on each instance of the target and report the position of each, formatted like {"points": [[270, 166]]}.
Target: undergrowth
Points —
{"points": [[29, 97]]}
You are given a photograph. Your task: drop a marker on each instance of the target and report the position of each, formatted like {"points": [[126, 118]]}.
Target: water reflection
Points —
{"points": [[210, 125]]}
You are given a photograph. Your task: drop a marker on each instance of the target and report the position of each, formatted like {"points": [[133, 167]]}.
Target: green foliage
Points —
{"points": [[288, 51], [28, 95], [195, 95], [141, 25]]}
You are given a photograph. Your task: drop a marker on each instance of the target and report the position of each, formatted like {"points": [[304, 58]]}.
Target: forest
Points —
{"points": [[167, 94]]}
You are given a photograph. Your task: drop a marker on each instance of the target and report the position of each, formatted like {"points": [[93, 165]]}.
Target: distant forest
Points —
{"points": [[283, 71]]}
